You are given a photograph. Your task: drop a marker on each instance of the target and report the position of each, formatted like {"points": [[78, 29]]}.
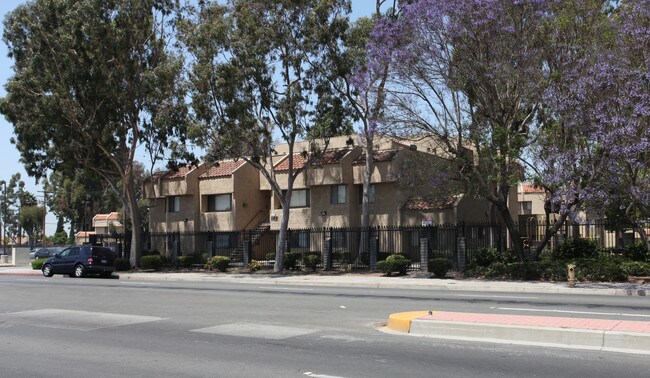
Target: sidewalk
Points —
{"points": [[375, 280]]}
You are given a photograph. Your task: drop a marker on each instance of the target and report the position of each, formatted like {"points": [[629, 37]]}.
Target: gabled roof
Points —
{"points": [[298, 162], [420, 204], [332, 156], [110, 216], [222, 169], [169, 175], [377, 157]]}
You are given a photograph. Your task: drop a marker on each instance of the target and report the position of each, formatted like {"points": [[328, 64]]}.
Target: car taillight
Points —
{"points": [[90, 260]]}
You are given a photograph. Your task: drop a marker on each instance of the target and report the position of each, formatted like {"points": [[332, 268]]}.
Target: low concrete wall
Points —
{"points": [[20, 256]]}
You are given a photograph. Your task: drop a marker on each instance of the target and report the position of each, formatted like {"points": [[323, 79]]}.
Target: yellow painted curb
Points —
{"points": [[401, 321]]}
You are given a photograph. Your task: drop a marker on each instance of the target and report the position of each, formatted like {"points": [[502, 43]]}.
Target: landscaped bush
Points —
{"points": [[496, 270], [151, 262], [485, 257], [270, 256], [218, 262], [603, 269], [439, 267], [394, 263], [38, 263], [636, 252], [291, 260], [636, 268], [552, 270], [153, 252], [122, 264], [343, 257], [576, 248], [311, 262], [254, 266], [527, 270], [185, 261]]}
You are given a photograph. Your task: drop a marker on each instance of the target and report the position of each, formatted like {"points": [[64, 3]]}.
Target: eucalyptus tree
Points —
{"points": [[251, 83], [91, 77]]}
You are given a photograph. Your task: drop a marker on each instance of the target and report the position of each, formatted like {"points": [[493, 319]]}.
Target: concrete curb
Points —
{"points": [[607, 340]]}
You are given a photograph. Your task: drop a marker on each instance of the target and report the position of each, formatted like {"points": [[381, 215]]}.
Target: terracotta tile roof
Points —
{"points": [[168, 175], [111, 216], [83, 234], [530, 188], [332, 156], [222, 169], [419, 204], [378, 156], [298, 162]]}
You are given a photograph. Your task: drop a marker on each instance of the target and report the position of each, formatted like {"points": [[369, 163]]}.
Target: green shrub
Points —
{"points": [[636, 268], [576, 248], [343, 257], [153, 252], [185, 261], [439, 267], [311, 262], [485, 257], [218, 262], [552, 270], [122, 264], [254, 266], [291, 260], [603, 269], [527, 270], [151, 262], [38, 263], [496, 270], [394, 263], [270, 256], [636, 251]]}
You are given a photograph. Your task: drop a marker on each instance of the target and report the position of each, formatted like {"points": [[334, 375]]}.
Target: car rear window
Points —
{"points": [[102, 253]]}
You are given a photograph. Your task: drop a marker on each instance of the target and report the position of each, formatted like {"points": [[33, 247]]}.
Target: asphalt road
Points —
{"points": [[110, 327]]}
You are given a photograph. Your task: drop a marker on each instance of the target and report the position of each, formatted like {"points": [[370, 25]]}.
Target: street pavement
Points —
{"points": [[579, 333]]}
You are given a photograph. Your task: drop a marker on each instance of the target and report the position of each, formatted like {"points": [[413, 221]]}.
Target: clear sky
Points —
{"points": [[9, 156]]}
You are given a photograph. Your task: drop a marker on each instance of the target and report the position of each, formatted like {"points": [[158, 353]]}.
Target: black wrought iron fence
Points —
{"points": [[352, 247]]}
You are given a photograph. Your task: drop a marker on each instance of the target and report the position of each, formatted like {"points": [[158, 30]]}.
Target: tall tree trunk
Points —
{"points": [[136, 237], [515, 236], [282, 239]]}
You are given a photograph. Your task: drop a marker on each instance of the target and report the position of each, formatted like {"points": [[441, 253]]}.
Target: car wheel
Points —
{"points": [[47, 270], [79, 271]]}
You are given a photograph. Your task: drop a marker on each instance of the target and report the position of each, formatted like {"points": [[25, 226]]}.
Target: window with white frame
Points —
{"points": [[371, 193], [220, 202], [337, 194], [173, 204], [299, 198], [525, 207]]}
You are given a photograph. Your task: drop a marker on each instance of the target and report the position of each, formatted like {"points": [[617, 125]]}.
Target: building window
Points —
{"points": [[220, 202], [173, 204], [222, 241], [299, 239], [526, 207], [337, 194], [371, 193], [299, 198]]}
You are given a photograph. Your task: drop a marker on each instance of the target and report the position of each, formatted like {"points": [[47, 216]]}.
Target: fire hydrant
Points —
{"points": [[571, 275]]}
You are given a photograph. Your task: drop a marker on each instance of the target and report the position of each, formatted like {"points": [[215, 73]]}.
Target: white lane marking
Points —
{"points": [[75, 320], [139, 283], [310, 374], [573, 312], [255, 330], [495, 296]]}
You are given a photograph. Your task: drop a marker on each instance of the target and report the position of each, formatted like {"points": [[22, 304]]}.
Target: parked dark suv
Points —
{"points": [[79, 261]]}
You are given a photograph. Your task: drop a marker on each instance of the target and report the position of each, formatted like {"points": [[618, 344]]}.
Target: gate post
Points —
{"points": [[327, 252], [424, 255], [374, 251]]}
